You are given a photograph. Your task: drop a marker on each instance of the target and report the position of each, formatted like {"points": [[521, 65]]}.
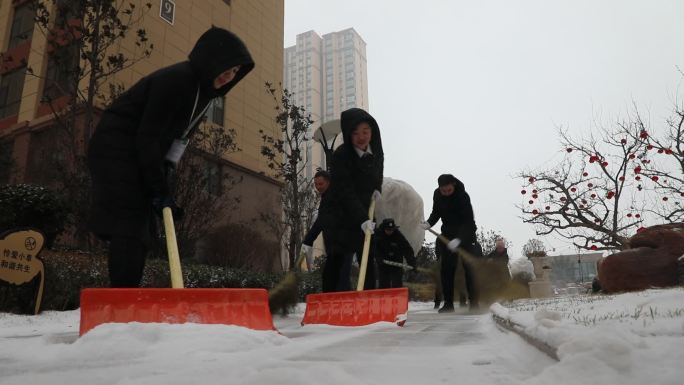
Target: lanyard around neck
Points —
{"points": [[192, 122]]}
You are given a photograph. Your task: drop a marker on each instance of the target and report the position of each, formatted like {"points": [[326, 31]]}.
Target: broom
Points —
{"points": [[507, 292], [466, 255], [285, 295]]}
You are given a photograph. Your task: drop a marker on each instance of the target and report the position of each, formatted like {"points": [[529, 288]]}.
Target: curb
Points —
{"points": [[520, 330]]}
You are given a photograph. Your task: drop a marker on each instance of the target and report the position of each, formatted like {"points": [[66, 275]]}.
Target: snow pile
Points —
{"points": [[633, 338], [402, 203]]}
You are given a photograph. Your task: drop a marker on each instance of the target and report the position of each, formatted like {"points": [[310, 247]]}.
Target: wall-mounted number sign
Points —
{"points": [[167, 10]]}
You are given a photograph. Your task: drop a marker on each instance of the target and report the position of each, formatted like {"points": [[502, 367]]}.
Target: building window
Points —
{"points": [[11, 87], [62, 72], [212, 178], [22, 24], [47, 147], [6, 161], [215, 111]]}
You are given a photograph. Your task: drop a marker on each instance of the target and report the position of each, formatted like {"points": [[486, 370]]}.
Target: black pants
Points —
{"points": [[337, 272], [390, 277], [126, 261], [448, 272]]}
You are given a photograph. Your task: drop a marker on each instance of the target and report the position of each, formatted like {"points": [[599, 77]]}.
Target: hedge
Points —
{"points": [[69, 272]]}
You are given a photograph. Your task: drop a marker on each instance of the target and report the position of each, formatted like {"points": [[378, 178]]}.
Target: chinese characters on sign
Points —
{"points": [[14, 260], [19, 263]]}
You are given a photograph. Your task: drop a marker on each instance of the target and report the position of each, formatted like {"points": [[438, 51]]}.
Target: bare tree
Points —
{"points": [[203, 186], [589, 198], [285, 159], [662, 167], [83, 38], [534, 248], [487, 239]]}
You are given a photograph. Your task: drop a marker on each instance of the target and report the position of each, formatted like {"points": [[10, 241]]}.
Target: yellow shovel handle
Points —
{"points": [[366, 248], [172, 248]]}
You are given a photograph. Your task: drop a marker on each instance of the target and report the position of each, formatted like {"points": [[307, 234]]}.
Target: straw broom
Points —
{"points": [[511, 289], [285, 295]]}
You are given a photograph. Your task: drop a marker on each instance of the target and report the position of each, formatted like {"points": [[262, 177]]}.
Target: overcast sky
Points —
{"points": [[479, 88]]}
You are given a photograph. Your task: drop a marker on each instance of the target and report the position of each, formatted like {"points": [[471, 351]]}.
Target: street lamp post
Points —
{"points": [[326, 135]]}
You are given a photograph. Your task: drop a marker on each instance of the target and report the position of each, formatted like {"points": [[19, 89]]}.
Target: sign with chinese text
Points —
{"points": [[19, 262]]}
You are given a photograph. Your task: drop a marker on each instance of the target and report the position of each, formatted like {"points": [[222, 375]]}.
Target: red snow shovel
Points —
{"points": [[241, 307], [358, 308]]}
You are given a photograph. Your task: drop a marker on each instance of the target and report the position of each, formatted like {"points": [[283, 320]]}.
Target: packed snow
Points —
{"points": [[632, 338], [626, 339]]}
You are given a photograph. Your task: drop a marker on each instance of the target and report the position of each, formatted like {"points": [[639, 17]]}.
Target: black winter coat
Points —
{"points": [[127, 151], [456, 212], [352, 182], [393, 247], [316, 227]]}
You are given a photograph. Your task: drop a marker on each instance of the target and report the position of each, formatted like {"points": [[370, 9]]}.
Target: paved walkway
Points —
{"points": [[430, 348]]}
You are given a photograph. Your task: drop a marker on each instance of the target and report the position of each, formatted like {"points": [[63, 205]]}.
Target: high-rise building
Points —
{"points": [[327, 76], [173, 27]]}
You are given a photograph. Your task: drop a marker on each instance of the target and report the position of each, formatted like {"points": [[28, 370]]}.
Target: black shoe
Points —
{"points": [[447, 308], [437, 305]]}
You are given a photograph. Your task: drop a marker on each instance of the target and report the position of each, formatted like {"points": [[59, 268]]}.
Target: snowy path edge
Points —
{"points": [[507, 324]]}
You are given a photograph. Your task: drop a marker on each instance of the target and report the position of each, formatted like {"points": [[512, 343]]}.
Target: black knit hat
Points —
{"points": [[388, 224], [446, 179]]}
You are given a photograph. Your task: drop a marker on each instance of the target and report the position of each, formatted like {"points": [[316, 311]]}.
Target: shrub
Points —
{"points": [[25, 205], [238, 246], [67, 272]]}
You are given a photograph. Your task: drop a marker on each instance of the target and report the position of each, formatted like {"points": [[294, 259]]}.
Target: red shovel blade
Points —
{"points": [[241, 307], [357, 308]]}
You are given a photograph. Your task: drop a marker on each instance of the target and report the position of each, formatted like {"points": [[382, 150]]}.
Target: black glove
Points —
{"points": [[160, 202]]}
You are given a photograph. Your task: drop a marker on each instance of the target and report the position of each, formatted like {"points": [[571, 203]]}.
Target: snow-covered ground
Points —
{"points": [[632, 338], [432, 348]]}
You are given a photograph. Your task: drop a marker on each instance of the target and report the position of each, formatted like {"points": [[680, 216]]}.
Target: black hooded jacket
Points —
{"points": [[127, 150], [456, 212], [394, 247], [352, 182]]}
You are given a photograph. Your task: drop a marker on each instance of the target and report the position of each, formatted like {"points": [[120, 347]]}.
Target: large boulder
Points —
{"points": [[650, 261]]}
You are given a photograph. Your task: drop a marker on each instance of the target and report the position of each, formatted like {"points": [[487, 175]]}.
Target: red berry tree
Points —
{"points": [[587, 197]]}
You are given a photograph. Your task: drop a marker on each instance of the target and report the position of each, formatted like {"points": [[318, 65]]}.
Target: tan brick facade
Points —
{"points": [[248, 107]]}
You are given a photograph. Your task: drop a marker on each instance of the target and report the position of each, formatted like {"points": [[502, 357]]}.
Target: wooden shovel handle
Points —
{"points": [[172, 248], [466, 255], [366, 248]]}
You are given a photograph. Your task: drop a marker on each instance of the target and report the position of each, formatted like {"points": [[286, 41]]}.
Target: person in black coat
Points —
{"points": [[391, 245], [321, 184], [451, 203], [142, 135], [355, 176]]}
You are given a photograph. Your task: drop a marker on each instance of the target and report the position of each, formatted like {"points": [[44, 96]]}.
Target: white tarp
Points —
{"points": [[402, 203]]}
